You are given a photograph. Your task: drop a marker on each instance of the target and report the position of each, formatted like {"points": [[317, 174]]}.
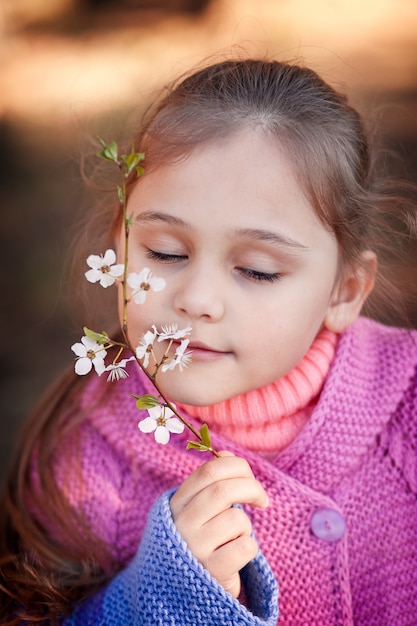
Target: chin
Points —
{"points": [[190, 394], [205, 398], [192, 400], [189, 389]]}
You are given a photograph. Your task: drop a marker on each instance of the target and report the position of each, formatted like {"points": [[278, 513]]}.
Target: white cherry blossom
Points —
{"points": [[103, 268], [144, 349], [171, 331], [89, 354], [162, 422], [117, 370], [141, 283], [181, 358]]}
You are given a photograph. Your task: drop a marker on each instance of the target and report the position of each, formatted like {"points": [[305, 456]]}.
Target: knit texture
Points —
{"points": [[356, 456], [269, 419], [165, 585]]}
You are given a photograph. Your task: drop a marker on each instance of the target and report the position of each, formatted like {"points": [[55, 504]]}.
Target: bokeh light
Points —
{"points": [[71, 67]]}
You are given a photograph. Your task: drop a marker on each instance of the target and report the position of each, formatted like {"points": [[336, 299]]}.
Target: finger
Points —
{"points": [[208, 473], [218, 497], [225, 563], [229, 525]]}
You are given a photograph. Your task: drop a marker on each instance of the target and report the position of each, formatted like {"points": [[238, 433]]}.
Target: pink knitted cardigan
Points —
{"points": [[356, 458], [268, 419]]}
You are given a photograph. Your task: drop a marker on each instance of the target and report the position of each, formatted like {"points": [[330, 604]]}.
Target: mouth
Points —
{"points": [[203, 352]]}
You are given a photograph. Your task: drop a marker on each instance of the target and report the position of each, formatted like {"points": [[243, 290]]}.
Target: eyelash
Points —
{"points": [[254, 275], [259, 276], [162, 257]]}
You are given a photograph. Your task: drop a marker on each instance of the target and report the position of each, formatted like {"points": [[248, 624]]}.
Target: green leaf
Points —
{"points": [[120, 194], [129, 221], [197, 445], [140, 171], [100, 338], [109, 151], [147, 401], [205, 444], [205, 436], [131, 160]]}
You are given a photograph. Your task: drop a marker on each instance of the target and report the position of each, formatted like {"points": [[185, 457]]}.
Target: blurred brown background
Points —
{"points": [[72, 68]]}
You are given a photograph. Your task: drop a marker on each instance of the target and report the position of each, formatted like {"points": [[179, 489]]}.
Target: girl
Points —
{"points": [[260, 209]]}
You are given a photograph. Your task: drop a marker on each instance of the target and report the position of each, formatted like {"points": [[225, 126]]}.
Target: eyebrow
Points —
{"points": [[271, 237], [156, 216], [257, 234]]}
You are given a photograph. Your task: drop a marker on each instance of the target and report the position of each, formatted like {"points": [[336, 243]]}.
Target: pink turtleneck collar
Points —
{"points": [[268, 419]]}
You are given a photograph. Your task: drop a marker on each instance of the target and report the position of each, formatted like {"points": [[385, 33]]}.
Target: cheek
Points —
{"points": [[283, 332], [141, 317]]}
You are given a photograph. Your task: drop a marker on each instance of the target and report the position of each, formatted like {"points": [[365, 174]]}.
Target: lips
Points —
{"points": [[203, 352], [199, 345]]}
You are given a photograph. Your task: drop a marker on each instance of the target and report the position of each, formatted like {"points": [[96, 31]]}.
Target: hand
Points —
{"points": [[216, 533]]}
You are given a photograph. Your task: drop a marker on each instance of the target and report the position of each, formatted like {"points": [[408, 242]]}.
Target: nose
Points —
{"points": [[200, 294]]}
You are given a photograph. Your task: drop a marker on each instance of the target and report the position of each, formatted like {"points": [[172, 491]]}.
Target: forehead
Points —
{"points": [[247, 168]]}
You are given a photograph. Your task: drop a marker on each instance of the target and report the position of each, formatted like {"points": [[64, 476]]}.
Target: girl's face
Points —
{"points": [[247, 264]]}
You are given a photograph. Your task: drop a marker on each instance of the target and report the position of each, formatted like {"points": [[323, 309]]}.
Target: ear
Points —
{"points": [[353, 288]]}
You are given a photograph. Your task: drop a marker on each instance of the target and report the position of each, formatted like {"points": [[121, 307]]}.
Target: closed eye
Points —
{"points": [[164, 257], [258, 276]]}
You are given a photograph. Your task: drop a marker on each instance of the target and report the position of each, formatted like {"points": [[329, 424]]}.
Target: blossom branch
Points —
{"points": [[92, 350]]}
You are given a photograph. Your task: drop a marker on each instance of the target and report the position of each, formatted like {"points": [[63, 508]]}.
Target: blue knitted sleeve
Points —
{"points": [[164, 585]]}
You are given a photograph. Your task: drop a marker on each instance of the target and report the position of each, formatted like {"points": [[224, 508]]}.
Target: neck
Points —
{"points": [[268, 419]]}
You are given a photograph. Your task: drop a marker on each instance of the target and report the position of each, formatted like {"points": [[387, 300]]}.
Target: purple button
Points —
{"points": [[328, 525]]}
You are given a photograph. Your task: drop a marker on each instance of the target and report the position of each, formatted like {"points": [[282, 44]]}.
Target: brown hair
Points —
{"points": [[40, 577], [326, 140], [345, 178]]}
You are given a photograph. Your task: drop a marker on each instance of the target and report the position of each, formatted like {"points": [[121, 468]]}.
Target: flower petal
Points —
{"points": [[168, 366], [175, 425], [99, 365], [157, 284], [89, 343], [140, 297], [123, 362], [143, 276], [135, 280], [132, 280], [182, 347], [148, 425], [95, 261], [109, 257], [184, 360], [93, 275], [117, 270], [149, 336], [162, 435], [79, 349], [106, 280], [171, 331], [168, 414], [155, 412], [116, 373], [83, 366]]}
